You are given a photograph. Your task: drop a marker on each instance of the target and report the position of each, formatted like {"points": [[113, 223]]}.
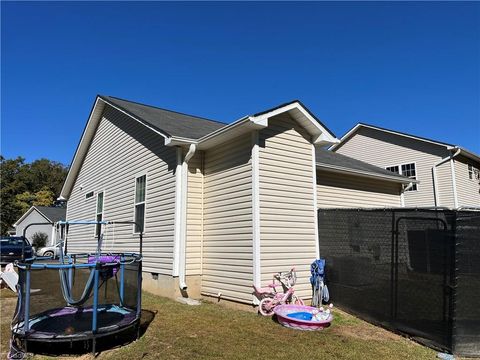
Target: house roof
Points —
{"points": [[171, 123], [54, 214], [301, 104], [180, 129], [399, 133], [330, 160], [50, 213], [455, 149]]}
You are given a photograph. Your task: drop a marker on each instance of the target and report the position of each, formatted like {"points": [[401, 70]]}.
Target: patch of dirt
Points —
{"points": [[365, 332]]}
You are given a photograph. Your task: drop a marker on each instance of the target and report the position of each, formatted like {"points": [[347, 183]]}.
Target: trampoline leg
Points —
{"points": [[94, 343]]}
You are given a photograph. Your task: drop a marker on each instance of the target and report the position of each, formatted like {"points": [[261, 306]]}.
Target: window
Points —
{"points": [[394, 169], [407, 170], [140, 188], [99, 213], [473, 173], [89, 195]]}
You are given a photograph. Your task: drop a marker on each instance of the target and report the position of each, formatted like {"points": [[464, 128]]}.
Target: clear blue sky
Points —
{"points": [[412, 67]]}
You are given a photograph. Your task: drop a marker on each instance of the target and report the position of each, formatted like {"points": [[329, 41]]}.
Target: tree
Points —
{"points": [[39, 240], [23, 185]]}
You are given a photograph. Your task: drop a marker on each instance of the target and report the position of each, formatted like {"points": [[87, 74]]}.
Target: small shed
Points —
{"points": [[40, 214]]}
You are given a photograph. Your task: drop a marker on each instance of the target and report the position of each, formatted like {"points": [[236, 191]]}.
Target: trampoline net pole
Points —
{"points": [[122, 278], [139, 289], [95, 300], [26, 321]]}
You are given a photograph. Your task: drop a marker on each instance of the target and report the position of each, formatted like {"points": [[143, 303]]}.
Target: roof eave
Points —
{"points": [[321, 135], [467, 154], [359, 125], [87, 136], [28, 212], [367, 174]]}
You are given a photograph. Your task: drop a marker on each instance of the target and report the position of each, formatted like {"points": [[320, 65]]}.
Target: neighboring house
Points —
{"points": [[222, 206], [344, 182], [40, 214], [448, 174]]}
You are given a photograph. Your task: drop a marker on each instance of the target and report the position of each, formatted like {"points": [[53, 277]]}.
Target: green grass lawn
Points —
{"points": [[211, 331]]}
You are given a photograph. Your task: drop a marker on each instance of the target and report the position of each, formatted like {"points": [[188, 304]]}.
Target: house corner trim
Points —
{"points": [[256, 210]]}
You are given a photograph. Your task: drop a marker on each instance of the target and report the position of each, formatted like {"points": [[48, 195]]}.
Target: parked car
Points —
{"points": [[52, 250], [11, 249]]}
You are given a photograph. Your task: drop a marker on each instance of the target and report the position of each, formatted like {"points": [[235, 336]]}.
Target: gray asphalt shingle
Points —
{"points": [[54, 214], [170, 122], [326, 157]]}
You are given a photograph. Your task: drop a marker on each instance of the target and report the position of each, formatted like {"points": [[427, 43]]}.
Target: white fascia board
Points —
{"points": [[239, 127], [82, 148], [87, 136], [350, 132], [179, 141], [467, 154], [340, 169], [24, 216], [356, 127], [320, 136], [324, 139]]}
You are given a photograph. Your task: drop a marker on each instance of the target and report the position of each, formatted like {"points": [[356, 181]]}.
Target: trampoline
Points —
{"points": [[81, 296]]}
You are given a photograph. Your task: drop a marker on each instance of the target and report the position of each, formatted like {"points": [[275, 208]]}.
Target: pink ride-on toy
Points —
{"points": [[272, 298]]}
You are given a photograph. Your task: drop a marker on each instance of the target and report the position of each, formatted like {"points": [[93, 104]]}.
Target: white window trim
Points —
{"points": [[143, 202], [96, 193], [475, 172], [401, 173], [89, 198]]}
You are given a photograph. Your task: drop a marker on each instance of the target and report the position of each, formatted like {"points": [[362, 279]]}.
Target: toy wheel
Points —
{"points": [[266, 307], [297, 301], [48, 253]]}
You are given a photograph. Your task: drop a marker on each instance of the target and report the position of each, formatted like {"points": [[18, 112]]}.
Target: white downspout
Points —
{"points": [[454, 180], [183, 218], [178, 212], [402, 194], [435, 181]]}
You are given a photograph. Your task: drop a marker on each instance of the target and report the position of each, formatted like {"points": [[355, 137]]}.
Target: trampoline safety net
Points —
{"points": [[410, 270], [47, 301]]}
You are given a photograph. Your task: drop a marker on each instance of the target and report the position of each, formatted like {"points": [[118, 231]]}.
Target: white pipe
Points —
{"points": [[178, 212], [435, 181], [454, 181], [402, 195], [183, 224]]}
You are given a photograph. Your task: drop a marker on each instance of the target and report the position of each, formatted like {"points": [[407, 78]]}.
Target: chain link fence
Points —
{"points": [[410, 270]]}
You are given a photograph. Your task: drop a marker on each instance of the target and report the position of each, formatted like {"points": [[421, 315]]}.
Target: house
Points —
{"points": [[222, 206], [448, 174], [40, 214]]}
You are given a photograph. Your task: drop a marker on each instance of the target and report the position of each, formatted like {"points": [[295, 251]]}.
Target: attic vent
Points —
{"points": [[89, 195]]}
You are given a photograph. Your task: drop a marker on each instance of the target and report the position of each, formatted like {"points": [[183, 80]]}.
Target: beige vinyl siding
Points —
{"points": [[287, 209], [468, 191], [194, 215], [386, 149], [445, 185], [336, 190], [121, 150], [227, 223]]}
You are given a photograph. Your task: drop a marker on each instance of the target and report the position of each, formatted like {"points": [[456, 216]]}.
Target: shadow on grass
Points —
{"points": [[82, 346]]}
